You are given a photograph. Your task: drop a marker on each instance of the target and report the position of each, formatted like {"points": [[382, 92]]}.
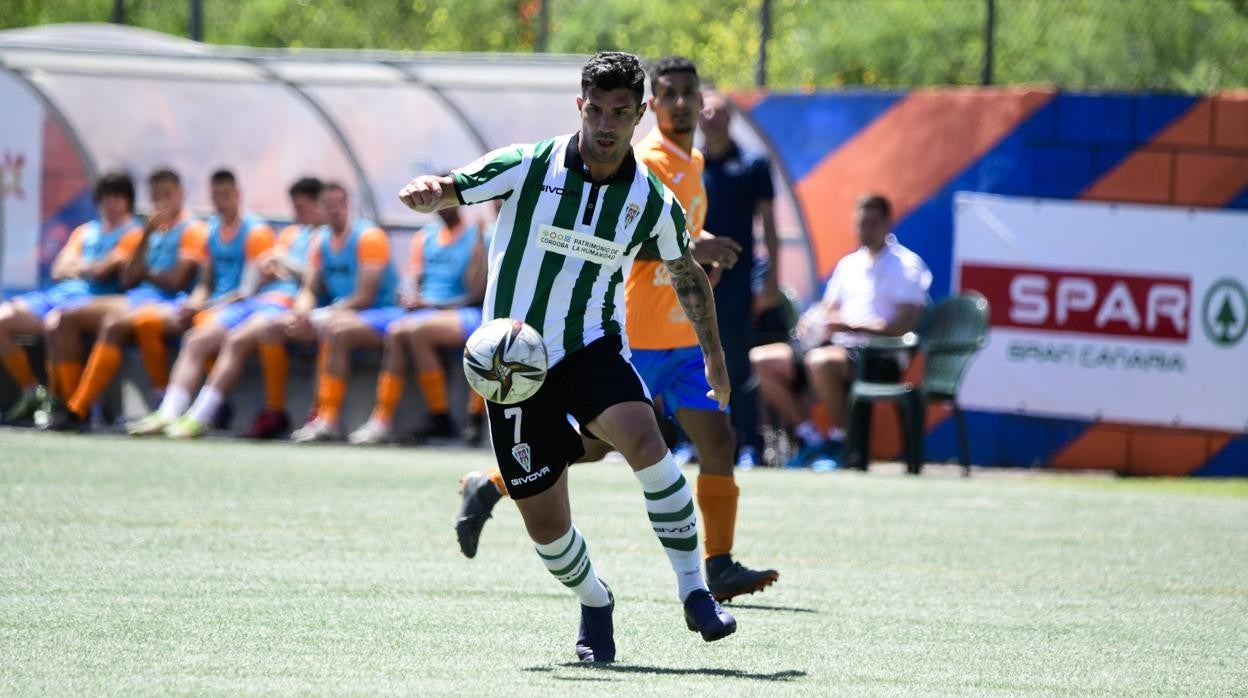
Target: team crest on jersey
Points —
{"points": [[630, 214], [523, 454]]}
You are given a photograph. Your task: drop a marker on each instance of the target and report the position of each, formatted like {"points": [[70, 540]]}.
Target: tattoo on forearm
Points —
{"points": [[693, 290]]}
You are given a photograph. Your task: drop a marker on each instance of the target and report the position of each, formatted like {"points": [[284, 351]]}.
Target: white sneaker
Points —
{"points": [[151, 425], [372, 432], [315, 430]]}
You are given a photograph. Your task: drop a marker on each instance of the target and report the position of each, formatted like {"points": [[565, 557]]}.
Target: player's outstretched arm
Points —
{"points": [[693, 290], [428, 193]]}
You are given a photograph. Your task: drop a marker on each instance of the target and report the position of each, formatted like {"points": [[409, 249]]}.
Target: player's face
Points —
{"points": [[872, 226], [334, 208], [225, 198], [307, 210], [677, 101], [608, 119], [114, 207], [715, 115], [167, 197]]}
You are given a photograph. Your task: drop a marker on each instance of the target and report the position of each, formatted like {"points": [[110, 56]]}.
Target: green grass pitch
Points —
{"points": [[147, 567]]}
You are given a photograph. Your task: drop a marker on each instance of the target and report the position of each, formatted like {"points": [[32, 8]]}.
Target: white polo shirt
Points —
{"points": [[868, 288]]}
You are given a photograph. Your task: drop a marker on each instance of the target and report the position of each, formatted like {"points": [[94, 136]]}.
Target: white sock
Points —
{"points": [[669, 503], [808, 432], [206, 405], [175, 402], [567, 558]]}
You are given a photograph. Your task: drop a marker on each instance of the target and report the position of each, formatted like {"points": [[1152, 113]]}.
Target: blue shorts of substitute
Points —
{"points": [[677, 376], [380, 319], [146, 295], [40, 303], [240, 311]]}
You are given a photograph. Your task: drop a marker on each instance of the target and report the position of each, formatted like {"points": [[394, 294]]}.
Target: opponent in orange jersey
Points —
{"points": [[665, 349]]}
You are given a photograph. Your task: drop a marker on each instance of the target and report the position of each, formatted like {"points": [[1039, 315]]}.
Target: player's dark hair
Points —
{"points": [[614, 70], [333, 186], [876, 202], [306, 186], [164, 174], [116, 184], [668, 65], [222, 176]]}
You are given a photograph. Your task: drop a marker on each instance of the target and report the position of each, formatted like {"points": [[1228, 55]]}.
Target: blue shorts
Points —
{"points": [[146, 295], [380, 319], [40, 303], [238, 312], [677, 376]]}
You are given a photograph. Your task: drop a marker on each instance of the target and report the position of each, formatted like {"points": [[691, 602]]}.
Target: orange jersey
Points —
{"points": [[653, 316]]}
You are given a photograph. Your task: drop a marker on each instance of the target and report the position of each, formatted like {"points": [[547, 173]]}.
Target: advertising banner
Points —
{"points": [[1115, 312]]}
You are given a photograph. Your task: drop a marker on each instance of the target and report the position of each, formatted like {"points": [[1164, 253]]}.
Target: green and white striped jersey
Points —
{"points": [[563, 244]]}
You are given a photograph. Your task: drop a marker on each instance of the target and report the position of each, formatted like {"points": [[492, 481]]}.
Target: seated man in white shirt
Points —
{"points": [[879, 289]]}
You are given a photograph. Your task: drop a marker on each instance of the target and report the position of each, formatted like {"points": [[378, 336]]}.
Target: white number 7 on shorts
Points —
{"points": [[518, 414]]}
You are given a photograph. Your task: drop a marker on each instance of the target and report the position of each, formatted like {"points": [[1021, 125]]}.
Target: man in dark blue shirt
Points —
{"points": [[739, 189]]}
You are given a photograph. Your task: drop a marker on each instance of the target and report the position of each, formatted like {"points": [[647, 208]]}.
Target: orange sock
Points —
{"points": [[389, 392], [274, 364], [149, 335], [102, 365], [330, 392], [496, 477], [433, 387], [476, 404], [68, 375], [18, 366], [717, 498]]}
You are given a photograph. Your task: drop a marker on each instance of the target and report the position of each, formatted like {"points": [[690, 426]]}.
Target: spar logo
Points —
{"points": [[1097, 303], [1224, 312]]}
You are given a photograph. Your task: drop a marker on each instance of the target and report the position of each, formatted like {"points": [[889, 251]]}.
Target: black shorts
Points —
{"points": [[533, 440], [881, 366]]}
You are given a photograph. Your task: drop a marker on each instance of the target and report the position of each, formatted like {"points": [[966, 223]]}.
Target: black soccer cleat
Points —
{"points": [[479, 497], [595, 639], [64, 419], [474, 431], [704, 615], [728, 578]]}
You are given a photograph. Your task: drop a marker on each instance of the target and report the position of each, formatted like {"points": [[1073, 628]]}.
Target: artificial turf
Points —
{"points": [[220, 567]]}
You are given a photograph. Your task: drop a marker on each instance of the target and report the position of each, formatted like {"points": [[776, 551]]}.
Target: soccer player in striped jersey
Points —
{"points": [[157, 275], [350, 264], [439, 306], [89, 265], [263, 331], [237, 242], [576, 209], [665, 347]]}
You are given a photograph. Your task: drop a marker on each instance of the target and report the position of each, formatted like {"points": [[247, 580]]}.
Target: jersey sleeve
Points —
{"points": [[493, 176], [671, 232], [128, 244], [373, 248], [259, 239], [194, 242]]}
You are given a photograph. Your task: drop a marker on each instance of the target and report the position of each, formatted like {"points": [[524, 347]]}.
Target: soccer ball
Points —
{"points": [[505, 361]]}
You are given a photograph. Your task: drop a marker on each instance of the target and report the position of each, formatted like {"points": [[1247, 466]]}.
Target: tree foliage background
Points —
{"points": [[1183, 45]]}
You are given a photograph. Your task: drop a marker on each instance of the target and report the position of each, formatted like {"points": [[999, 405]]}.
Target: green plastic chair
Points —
{"points": [[949, 336]]}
